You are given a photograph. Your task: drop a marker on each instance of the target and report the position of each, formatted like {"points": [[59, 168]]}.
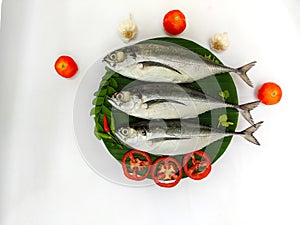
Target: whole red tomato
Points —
{"points": [[174, 22], [65, 66], [269, 93]]}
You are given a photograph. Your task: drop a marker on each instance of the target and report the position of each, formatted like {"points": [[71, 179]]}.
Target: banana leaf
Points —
{"points": [[219, 86]]}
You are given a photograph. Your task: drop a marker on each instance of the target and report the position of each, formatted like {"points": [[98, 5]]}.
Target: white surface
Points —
{"points": [[43, 178]]}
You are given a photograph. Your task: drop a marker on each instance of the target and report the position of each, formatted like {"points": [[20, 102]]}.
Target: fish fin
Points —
{"points": [[248, 133], [242, 72], [245, 110], [158, 101], [167, 139], [153, 64]]}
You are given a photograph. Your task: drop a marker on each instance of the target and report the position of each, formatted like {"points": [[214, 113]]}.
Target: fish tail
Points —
{"points": [[242, 72], [245, 110], [248, 133]]}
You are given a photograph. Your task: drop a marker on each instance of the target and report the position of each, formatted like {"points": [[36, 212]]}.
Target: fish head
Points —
{"points": [[132, 137], [120, 59], [125, 101]]}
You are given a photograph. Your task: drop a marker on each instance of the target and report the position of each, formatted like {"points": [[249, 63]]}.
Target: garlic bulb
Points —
{"points": [[219, 42], [127, 29]]}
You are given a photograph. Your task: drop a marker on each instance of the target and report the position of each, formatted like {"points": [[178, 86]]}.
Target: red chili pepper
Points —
{"points": [[105, 124]]}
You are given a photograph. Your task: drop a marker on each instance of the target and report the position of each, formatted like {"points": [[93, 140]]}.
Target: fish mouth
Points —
{"points": [[108, 62], [112, 101]]}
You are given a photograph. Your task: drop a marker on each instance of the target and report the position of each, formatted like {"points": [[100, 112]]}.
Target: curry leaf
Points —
{"points": [[113, 83], [100, 135], [110, 91], [106, 111], [98, 101]]}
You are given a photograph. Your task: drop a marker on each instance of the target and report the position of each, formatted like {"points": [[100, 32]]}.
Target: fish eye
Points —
{"points": [[125, 132], [113, 56], [119, 96]]}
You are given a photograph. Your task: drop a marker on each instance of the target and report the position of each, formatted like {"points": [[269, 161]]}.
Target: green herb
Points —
{"points": [[224, 94], [223, 120]]}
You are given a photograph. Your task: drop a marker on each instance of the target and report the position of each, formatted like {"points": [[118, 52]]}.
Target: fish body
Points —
{"points": [[159, 61], [171, 101], [174, 137]]}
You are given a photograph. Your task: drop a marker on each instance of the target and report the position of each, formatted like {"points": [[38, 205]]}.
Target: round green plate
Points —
{"points": [[219, 86]]}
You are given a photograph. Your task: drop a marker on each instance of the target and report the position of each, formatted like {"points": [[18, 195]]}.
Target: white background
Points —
{"points": [[43, 177]]}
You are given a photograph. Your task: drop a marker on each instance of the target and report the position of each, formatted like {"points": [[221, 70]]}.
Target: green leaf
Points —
{"points": [[107, 76], [113, 83], [98, 124], [92, 112], [112, 124], [102, 92], [100, 135], [106, 111], [98, 101], [109, 72], [97, 93], [96, 110], [110, 91]]}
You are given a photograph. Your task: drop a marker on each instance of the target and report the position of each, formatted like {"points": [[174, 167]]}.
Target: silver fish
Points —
{"points": [[173, 137], [170, 101], [159, 61]]}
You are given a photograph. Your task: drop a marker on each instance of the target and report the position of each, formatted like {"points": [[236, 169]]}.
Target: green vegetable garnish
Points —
{"points": [[224, 94], [223, 121]]}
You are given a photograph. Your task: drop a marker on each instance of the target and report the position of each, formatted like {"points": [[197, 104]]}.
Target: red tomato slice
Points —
{"points": [[136, 165], [174, 22], [166, 172], [196, 165], [65, 66]]}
